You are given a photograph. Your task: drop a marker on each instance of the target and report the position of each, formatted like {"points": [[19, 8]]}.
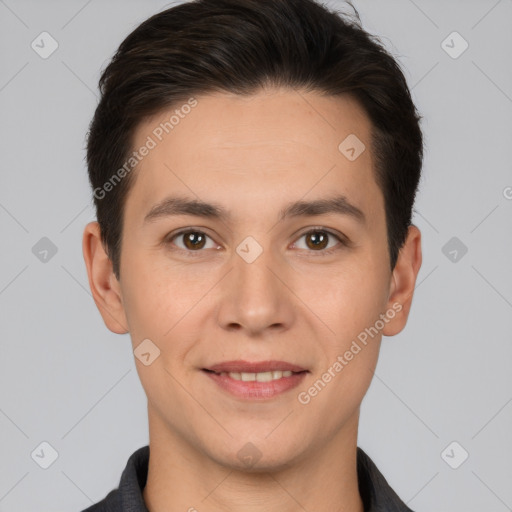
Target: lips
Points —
{"points": [[256, 380], [254, 367]]}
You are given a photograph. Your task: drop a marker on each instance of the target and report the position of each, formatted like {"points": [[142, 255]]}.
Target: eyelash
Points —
{"points": [[342, 240]]}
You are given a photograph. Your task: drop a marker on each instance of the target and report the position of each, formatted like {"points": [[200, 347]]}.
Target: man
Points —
{"points": [[254, 166]]}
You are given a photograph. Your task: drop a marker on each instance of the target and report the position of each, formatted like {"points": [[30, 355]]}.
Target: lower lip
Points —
{"points": [[256, 390]]}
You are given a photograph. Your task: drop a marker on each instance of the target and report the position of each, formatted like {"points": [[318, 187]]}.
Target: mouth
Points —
{"points": [[258, 380]]}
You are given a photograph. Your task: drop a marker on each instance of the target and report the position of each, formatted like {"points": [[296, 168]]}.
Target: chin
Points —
{"points": [[259, 456]]}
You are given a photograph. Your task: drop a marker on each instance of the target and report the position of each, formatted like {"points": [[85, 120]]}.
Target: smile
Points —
{"points": [[256, 381], [258, 377]]}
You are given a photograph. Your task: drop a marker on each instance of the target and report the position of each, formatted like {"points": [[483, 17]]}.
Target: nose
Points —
{"points": [[255, 295]]}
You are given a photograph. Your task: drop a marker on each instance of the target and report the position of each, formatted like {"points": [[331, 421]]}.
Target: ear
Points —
{"points": [[403, 281], [104, 285]]}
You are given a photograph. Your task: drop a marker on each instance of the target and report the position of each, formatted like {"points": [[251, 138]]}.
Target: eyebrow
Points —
{"points": [[172, 206]]}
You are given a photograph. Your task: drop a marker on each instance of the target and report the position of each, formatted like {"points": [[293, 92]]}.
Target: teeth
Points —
{"points": [[259, 377], [265, 376]]}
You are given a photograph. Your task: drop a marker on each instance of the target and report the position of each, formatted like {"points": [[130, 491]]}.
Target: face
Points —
{"points": [[287, 270]]}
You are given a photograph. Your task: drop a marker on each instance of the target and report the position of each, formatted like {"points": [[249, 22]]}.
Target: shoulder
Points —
{"points": [[110, 503], [376, 493], [127, 497]]}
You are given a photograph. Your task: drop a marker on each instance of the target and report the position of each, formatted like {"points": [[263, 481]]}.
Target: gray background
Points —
{"points": [[66, 380]]}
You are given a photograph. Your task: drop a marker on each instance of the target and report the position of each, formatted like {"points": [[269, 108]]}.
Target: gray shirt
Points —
{"points": [[375, 492]]}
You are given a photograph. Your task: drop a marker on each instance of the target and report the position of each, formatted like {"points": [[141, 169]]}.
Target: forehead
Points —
{"points": [[269, 147]]}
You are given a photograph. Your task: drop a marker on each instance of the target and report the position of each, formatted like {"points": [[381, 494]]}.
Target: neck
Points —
{"points": [[181, 477]]}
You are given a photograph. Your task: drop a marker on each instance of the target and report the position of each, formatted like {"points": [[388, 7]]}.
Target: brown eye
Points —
{"points": [[194, 239], [321, 241], [317, 239], [191, 240]]}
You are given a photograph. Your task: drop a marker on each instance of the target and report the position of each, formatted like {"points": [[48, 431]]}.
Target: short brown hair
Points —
{"points": [[241, 46]]}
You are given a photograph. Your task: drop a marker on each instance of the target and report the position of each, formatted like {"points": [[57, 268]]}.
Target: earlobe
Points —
{"points": [[104, 286], [404, 281]]}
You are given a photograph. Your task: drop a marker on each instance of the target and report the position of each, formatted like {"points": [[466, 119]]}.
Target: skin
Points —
{"points": [[253, 155]]}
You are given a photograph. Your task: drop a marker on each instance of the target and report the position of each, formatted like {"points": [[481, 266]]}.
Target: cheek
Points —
{"points": [[161, 303], [351, 307], [353, 298], [356, 298], [150, 299], [156, 306]]}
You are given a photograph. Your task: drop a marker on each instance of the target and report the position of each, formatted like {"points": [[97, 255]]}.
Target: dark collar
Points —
{"points": [[375, 492]]}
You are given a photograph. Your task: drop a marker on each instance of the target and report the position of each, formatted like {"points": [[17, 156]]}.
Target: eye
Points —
{"points": [[193, 240], [319, 239], [316, 240]]}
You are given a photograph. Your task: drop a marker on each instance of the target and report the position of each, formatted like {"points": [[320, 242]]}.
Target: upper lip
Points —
{"points": [[254, 367]]}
